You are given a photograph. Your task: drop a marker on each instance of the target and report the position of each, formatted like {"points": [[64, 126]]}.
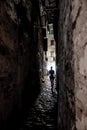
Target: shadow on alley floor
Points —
{"points": [[43, 113]]}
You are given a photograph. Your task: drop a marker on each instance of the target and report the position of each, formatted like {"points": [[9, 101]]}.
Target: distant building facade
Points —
{"points": [[51, 55]]}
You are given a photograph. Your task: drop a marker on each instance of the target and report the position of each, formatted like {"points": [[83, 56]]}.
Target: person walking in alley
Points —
{"points": [[52, 77]]}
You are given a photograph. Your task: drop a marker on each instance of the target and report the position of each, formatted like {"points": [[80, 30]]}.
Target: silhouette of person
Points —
{"points": [[52, 76]]}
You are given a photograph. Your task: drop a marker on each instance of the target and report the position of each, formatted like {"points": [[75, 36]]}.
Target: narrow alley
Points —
{"points": [[37, 36]]}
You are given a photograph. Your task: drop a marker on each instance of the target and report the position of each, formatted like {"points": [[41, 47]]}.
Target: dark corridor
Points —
{"points": [[40, 111], [43, 113], [26, 102]]}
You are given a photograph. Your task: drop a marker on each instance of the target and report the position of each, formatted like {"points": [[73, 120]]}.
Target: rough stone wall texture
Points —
{"points": [[18, 51], [65, 58], [72, 54], [79, 22], [40, 54]]}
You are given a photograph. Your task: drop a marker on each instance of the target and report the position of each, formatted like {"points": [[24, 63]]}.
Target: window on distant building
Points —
{"points": [[52, 42], [51, 31], [53, 58], [52, 53]]}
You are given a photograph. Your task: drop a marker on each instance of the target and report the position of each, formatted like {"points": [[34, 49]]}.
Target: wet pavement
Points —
{"points": [[43, 113]]}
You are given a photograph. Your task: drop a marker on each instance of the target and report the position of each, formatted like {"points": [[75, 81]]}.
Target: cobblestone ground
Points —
{"points": [[43, 114]]}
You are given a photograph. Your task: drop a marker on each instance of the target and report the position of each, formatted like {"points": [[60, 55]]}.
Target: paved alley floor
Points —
{"points": [[43, 113]]}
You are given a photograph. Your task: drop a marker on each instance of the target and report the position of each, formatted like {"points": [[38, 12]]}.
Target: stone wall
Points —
{"points": [[19, 50], [79, 26], [72, 64], [65, 68]]}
